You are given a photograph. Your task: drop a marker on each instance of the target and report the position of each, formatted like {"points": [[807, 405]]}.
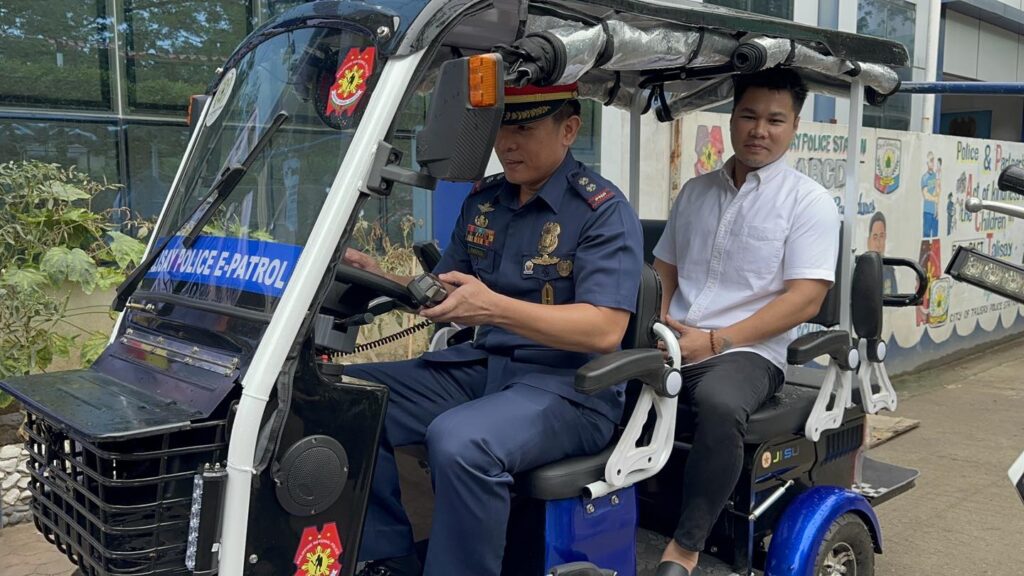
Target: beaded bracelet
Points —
{"points": [[714, 350]]}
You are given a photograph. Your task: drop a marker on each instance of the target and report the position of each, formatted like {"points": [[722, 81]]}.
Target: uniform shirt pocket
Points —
{"points": [[758, 250], [482, 260], [562, 269], [536, 279]]}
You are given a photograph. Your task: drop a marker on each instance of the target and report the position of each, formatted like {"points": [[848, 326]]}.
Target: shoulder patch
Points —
{"points": [[488, 182], [601, 197], [594, 189]]}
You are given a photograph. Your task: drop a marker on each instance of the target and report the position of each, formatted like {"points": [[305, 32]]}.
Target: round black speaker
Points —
{"points": [[312, 475]]}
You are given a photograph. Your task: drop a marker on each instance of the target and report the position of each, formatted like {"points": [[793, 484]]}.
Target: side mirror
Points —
{"points": [[196, 105], [464, 118]]}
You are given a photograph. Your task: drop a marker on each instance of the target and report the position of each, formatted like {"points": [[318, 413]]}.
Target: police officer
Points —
{"points": [[546, 260]]}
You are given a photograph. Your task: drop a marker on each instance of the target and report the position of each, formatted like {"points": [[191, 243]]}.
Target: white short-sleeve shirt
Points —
{"points": [[734, 249]]}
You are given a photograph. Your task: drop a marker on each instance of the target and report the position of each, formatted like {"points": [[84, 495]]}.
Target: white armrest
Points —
{"points": [[870, 374], [822, 416], [630, 463]]}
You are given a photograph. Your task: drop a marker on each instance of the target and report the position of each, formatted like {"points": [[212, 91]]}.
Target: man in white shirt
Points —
{"points": [[749, 253]]}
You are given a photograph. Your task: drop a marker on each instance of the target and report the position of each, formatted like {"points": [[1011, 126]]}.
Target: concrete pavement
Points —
{"points": [[962, 518]]}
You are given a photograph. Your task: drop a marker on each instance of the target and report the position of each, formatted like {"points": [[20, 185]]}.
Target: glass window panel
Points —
{"points": [[153, 153], [891, 19], [174, 48], [55, 54], [275, 8], [778, 8], [895, 113], [894, 20], [900, 24], [737, 4], [88, 146], [587, 148]]}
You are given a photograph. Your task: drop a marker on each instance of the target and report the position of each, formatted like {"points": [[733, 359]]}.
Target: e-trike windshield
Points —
{"points": [[302, 92]]}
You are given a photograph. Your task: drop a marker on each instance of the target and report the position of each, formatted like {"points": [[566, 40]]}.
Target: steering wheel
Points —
{"points": [[376, 284]]}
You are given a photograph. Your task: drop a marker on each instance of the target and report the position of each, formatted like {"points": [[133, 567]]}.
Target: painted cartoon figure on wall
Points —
{"points": [[931, 190], [710, 147], [876, 243], [950, 215]]}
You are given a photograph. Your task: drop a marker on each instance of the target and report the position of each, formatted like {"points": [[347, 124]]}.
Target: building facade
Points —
{"points": [[103, 85]]}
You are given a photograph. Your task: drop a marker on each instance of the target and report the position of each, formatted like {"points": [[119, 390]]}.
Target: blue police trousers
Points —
{"points": [[481, 422]]}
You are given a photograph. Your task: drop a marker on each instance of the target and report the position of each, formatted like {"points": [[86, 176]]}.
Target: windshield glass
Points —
{"points": [[300, 96]]}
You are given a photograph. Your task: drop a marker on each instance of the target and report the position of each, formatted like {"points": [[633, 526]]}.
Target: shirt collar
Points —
{"points": [[551, 192], [762, 174]]}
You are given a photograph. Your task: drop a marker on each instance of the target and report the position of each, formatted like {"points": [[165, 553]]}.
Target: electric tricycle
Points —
{"points": [[215, 435]]}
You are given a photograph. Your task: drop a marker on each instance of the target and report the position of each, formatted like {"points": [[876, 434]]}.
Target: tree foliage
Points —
{"points": [[52, 243]]}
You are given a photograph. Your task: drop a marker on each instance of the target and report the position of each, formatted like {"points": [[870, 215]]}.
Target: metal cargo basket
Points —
{"points": [[112, 470]]}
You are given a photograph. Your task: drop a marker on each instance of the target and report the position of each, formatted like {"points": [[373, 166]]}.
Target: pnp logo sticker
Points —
{"points": [[350, 82], [250, 265], [766, 459], [319, 552]]}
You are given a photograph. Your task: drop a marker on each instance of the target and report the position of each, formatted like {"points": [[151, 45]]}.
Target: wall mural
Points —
{"points": [[912, 189]]}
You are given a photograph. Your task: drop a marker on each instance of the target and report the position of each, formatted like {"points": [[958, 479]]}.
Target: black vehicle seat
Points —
{"points": [[787, 411], [567, 478]]}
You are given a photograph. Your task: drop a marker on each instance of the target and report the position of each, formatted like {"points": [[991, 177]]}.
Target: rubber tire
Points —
{"points": [[848, 528]]}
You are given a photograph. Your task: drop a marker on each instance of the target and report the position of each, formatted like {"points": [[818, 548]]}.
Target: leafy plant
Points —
{"points": [[394, 257], [52, 242]]}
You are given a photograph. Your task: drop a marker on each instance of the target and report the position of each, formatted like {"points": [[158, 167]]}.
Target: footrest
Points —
{"points": [[881, 481]]}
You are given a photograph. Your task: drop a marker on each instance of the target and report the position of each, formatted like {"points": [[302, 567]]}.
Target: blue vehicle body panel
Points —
{"points": [[798, 535], [606, 537]]}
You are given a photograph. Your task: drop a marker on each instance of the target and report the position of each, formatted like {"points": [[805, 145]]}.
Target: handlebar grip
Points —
{"points": [[1012, 179]]}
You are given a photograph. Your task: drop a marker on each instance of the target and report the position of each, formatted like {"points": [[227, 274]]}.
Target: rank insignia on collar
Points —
{"points": [[548, 243], [583, 180]]}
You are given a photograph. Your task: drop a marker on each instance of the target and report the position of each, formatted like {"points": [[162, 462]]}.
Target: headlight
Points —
{"points": [[992, 274]]}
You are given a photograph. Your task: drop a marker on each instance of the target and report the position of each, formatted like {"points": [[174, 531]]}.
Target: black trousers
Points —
{"points": [[724, 391]]}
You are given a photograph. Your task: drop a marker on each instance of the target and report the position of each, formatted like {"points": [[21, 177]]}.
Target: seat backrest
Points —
{"points": [[648, 309], [653, 229], [866, 295], [828, 314]]}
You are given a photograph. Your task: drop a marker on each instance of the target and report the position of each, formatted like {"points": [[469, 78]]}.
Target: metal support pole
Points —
{"points": [[847, 251], [931, 63], [993, 88], [635, 111]]}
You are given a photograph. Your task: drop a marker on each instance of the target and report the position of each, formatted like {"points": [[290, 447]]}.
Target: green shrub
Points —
{"points": [[395, 257], [52, 242]]}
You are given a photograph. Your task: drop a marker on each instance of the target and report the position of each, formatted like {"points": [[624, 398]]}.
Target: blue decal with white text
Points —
{"points": [[250, 265]]}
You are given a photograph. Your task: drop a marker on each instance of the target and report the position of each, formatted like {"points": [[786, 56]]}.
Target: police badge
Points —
{"points": [[548, 243]]}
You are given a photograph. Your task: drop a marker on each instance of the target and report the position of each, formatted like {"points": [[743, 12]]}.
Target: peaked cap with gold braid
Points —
{"points": [[532, 103]]}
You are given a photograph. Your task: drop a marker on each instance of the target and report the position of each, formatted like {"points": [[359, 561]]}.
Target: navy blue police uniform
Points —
{"points": [[503, 403]]}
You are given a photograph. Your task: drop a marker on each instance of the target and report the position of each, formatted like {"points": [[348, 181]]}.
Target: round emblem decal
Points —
{"points": [[227, 84]]}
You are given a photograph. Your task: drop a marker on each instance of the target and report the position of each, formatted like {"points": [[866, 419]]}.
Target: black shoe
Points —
{"points": [[408, 565], [667, 568]]}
